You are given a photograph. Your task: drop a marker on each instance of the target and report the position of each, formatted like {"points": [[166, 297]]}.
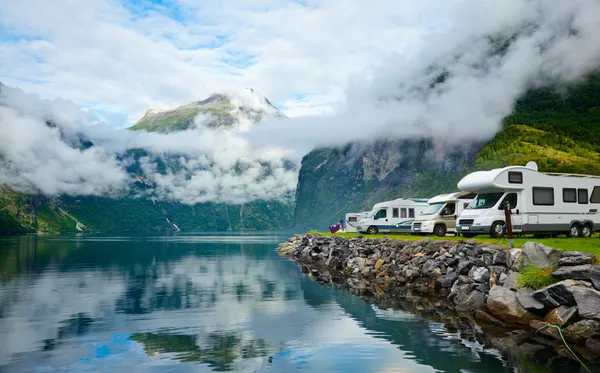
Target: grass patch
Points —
{"points": [[586, 245], [535, 278]]}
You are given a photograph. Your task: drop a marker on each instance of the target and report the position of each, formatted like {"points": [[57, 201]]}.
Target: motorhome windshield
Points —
{"points": [[433, 209], [486, 200]]}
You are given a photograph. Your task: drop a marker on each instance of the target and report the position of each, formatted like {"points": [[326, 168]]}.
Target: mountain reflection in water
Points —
{"points": [[204, 303]]}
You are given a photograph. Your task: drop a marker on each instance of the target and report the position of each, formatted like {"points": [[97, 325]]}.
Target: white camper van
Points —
{"points": [[352, 219], [439, 217], [539, 202], [392, 216]]}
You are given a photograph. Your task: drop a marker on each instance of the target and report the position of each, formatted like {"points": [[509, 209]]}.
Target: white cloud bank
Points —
{"points": [[553, 41]]}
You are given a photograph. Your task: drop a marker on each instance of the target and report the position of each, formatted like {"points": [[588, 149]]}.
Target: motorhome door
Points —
{"points": [[448, 215], [515, 216], [382, 220]]}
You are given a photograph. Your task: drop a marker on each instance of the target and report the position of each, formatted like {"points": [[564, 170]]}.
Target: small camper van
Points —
{"points": [[352, 219], [392, 216], [439, 217], [539, 202]]}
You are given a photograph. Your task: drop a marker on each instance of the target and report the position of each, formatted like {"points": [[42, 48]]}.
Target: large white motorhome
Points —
{"points": [[439, 217], [351, 220], [539, 202], [392, 216]]}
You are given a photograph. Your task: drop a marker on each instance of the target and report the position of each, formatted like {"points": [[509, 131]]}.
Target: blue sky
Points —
{"points": [[120, 58]]}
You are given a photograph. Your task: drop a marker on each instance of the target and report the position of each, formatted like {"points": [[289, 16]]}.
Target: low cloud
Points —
{"points": [[41, 151], [482, 56]]}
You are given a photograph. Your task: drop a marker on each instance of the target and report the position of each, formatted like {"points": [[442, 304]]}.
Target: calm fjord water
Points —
{"points": [[200, 303]]}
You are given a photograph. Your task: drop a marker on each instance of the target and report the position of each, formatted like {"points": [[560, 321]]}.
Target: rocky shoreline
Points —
{"points": [[472, 287]]}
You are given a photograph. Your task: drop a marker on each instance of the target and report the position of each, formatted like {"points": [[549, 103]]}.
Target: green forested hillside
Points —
{"points": [[557, 127], [22, 214]]}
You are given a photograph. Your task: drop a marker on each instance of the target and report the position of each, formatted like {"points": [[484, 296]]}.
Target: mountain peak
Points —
{"points": [[231, 109]]}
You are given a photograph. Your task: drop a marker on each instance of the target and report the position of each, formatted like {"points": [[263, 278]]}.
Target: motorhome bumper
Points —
{"points": [[473, 228]]}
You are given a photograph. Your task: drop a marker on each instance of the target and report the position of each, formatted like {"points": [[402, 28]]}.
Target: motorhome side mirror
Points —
{"points": [[517, 211], [375, 217]]}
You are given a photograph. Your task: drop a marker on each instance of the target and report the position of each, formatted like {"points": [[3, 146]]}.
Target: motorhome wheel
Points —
{"points": [[497, 230], [586, 231], [372, 230], [439, 230], [574, 231]]}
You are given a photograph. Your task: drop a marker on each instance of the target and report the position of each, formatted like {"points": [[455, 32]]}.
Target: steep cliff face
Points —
{"points": [[353, 178]]}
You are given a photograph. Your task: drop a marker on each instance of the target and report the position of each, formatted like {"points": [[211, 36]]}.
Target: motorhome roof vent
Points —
{"points": [[532, 165]]}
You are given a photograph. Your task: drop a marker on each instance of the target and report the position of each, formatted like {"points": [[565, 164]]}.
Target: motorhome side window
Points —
{"points": [[515, 177], [569, 195], [543, 196], [582, 195], [403, 213], [411, 213], [595, 198], [352, 219], [394, 212], [381, 214]]}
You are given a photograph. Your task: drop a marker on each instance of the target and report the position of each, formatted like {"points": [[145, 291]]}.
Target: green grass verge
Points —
{"points": [[535, 278], [587, 245]]}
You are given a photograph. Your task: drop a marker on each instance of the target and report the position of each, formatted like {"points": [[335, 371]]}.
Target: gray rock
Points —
{"points": [[465, 265], [588, 302], [476, 273], [485, 317], [527, 301], [584, 329], [558, 294], [540, 256], [503, 303], [503, 278], [593, 345], [484, 288], [575, 253], [511, 280], [446, 281], [562, 316], [499, 258], [475, 300], [579, 272], [574, 261]]}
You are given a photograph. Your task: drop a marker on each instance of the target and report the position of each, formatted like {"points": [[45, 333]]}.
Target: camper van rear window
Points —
{"points": [[569, 195], [595, 195], [515, 177], [352, 219], [582, 194], [543, 196]]}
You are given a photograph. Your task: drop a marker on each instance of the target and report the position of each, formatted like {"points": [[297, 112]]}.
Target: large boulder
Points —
{"points": [[557, 294], [588, 302], [574, 261], [540, 256], [503, 303], [580, 272], [562, 316]]}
